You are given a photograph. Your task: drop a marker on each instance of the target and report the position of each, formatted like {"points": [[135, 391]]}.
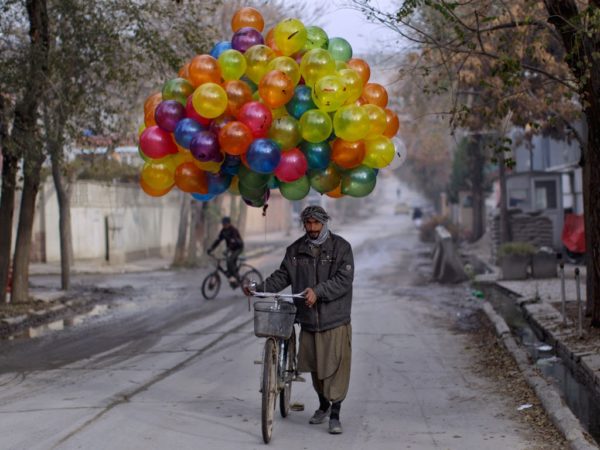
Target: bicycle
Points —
{"points": [[274, 320], [212, 282]]}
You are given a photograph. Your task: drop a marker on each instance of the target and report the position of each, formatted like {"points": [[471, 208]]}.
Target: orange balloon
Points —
{"points": [[184, 72], [247, 17], [204, 69], [336, 193], [238, 94], [149, 119], [276, 89], [190, 178], [362, 67], [152, 191], [235, 138], [375, 94], [347, 154], [392, 123], [270, 41], [152, 102]]}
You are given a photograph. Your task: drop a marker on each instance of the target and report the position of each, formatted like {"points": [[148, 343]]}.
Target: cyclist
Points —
{"points": [[320, 265], [235, 246]]}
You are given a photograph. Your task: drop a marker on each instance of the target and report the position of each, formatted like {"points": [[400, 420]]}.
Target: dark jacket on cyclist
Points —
{"points": [[330, 275], [234, 243]]}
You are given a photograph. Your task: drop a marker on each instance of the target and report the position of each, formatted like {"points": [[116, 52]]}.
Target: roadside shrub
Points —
{"points": [[516, 248]]}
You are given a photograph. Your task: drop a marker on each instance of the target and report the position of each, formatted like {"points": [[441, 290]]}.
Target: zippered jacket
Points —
{"points": [[330, 275]]}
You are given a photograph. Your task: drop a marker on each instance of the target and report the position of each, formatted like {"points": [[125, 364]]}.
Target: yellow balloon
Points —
{"points": [[286, 65], [354, 84], [234, 187], [379, 152], [209, 166], [290, 36], [141, 129], [329, 93], [257, 61], [158, 175], [209, 100], [377, 120], [315, 125], [278, 113], [233, 65], [316, 63], [351, 123], [340, 65]]}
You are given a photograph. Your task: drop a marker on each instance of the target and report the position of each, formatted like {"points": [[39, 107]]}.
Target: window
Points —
{"points": [[545, 194]]}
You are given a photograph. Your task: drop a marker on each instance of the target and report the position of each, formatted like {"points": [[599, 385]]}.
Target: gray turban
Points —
{"points": [[314, 212]]}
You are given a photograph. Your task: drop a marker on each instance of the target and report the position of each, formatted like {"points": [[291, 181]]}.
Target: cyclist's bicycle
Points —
{"points": [[212, 283], [274, 320]]}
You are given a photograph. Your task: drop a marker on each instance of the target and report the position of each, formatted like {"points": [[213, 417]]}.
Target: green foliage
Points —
{"points": [[516, 248], [103, 169]]}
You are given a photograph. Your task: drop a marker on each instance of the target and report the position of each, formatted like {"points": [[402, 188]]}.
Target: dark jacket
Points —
{"points": [[330, 276], [232, 238]]}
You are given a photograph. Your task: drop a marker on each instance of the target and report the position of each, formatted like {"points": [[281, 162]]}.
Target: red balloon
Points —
{"points": [[257, 117], [192, 114], [157, 143], [292, 165]]}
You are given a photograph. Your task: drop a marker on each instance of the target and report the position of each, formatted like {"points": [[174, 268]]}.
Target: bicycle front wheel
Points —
{"points": [[249, 273], [287, 375], [211, 285], [269, 389]]}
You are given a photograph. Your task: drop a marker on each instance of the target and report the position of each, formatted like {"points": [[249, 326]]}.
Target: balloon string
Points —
{"points": [[264, 213]]}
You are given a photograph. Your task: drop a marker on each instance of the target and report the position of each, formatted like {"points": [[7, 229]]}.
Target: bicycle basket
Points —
{"points": [[274, 319]]}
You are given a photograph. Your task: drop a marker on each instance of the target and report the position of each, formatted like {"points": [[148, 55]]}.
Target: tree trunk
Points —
{"points": [[591, 187], [505, 231], [184, 213], [64, 220], [196, 222], [476, 159]]}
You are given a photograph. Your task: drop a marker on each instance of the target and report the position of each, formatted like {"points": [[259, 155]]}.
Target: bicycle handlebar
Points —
{"points": [[273, 294]]}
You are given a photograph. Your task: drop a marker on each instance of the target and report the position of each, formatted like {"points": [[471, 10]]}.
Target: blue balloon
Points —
{"points": [[202, 197], [317, 154], [231, 165], [218, 183], [186, 130], [273, 182], [263, 155], [219, 48], [300, 102]]}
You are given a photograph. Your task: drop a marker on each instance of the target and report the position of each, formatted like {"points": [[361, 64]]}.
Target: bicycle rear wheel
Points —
{"points": [[211, 285], [249, 273], [289, 370], [269, 389]]}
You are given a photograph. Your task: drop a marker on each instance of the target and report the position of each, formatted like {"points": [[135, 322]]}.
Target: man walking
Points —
{"points": [[235, 246], [320, 265]]}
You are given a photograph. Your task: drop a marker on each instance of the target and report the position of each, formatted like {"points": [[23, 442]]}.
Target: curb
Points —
{"points": [[559, 413]]}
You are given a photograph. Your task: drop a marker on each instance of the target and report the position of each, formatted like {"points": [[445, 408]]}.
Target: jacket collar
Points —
{"points": [[326, 247]]}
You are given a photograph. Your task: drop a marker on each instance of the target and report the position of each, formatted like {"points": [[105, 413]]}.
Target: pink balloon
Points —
{"points": [[257, 117], [292, 165], [157, 143]]}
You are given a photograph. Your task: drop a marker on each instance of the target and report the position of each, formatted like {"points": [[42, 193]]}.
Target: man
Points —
{"points": [[320, 265], [235, 246]]}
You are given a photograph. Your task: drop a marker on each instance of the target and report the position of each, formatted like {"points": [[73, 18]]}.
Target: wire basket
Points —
{"points": [[274, 319]]}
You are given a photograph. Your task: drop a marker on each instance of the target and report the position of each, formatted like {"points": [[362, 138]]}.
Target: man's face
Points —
{"points": [[313, 227], [226, 225]]}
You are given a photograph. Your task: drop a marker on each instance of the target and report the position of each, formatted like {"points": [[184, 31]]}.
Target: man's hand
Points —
{"points": [[249, 287], [310, 298]]}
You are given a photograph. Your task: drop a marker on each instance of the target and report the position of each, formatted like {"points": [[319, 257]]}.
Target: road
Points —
{"points": [[164, 369]]}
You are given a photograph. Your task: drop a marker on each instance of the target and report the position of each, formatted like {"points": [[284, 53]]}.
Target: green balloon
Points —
{"points": [[177, 89], [340, 49], [252, 179], [359, 182], [316, 37], [251, 193], [296, 190], [326, 180], [286, 132]]}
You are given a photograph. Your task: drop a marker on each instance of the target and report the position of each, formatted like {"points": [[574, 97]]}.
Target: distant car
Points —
{"points": [[402, 208]]}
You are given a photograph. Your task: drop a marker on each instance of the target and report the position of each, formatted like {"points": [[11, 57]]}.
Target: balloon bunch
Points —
{"points": [[290, 110]]}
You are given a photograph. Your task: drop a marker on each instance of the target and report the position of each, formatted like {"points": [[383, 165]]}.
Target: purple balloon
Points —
{"points": [[246, 37], [205, 146], [218, 123], [168, 113]]}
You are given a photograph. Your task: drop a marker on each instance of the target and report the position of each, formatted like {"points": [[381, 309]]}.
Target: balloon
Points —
{"points": [[184, 71], [286, 65], [325, 180], [379, 153], [235, 138], [377, 120], [275, 89], [205, 146], [185, 131], [191, 113], [158, 176], [219, 123], [392, 123], [292, 165], [273, 182], [359, 182], [360, 66], [263, 155], [246, 37], [316, 37], [329, 93], [231, 164], [375, 94], [202, 197], [238, 93], [290, 36], [178, 89], [347, 154], [315, 125], [190, 178], [252, 179], [258, 203], [153, 192], [210, 166], [351, 123], [315, 64], [151, 103], [247, 17], [157, 143], [335, 193], [296, 190], [218, 183], [234, 187], [270, 42], [286, 132], [257, 117], [257, 59], [209, 100], [204, 69], [353, 83], [168, 114], [300, 102], [252, 193], [219, 48], [317, 154], [340, 49], [233, 65], [340, 65]]}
